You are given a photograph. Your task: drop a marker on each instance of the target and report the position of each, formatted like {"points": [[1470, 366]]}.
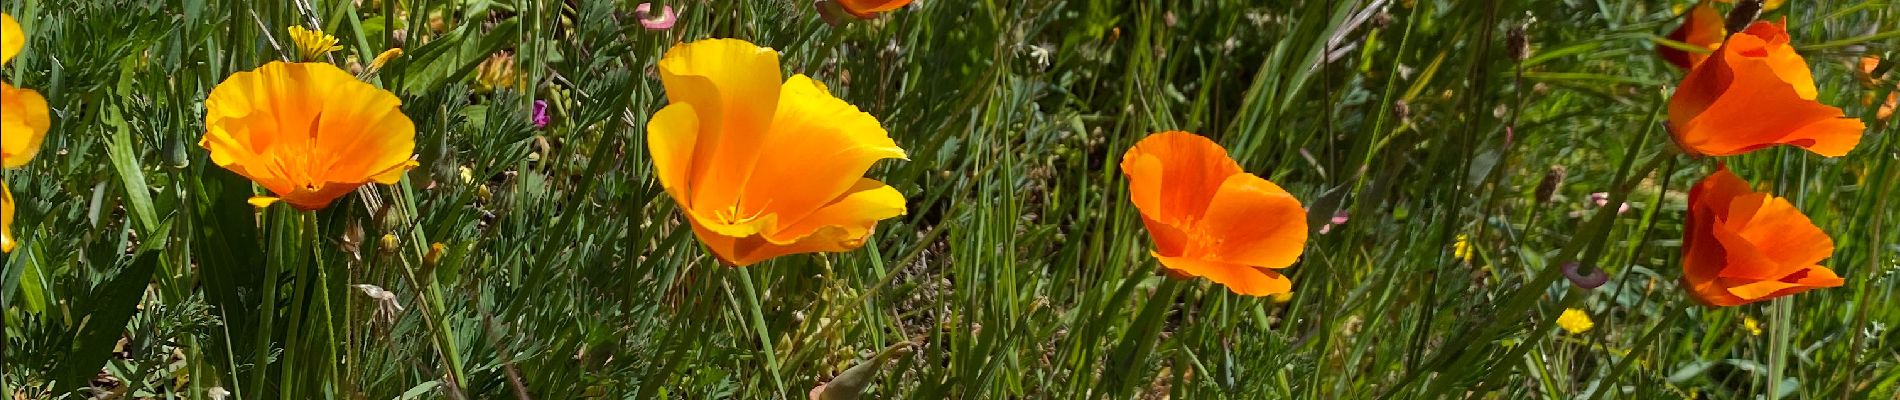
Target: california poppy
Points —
{"points": [[6, 219], [1209, 218], [1701, 27], [764, 167], [1740, 246], [11, 38], [865, 9], [23, 115], [1755, 92], [308, 132]]}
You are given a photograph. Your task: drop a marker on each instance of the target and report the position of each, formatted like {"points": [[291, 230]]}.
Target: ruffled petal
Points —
{"points": [[24, 120], [1239, 278], [670, 138], [1172, 176], [733, 86], [855, 214], [1253, 222], [818, 149]]}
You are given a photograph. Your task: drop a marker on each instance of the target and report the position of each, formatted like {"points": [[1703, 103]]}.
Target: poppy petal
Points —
{"points": [[1767, 238], [820, 146], [734, 87], [24, 121], [1254, 222], [1172, 176], [1702, 27], [1239, 278], [6, 219], [671, 135], [870, 8], [11, 38], [855, 213]]}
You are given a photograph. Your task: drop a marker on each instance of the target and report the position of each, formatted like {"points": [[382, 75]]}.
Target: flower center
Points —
{"points": [[738, 214]]}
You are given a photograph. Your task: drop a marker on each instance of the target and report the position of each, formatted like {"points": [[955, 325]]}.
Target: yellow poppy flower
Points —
{"points": [[6, 219], [23, 124], [1575, 321], [308, 132], [764, 167], [312, 44], [11, 38]]}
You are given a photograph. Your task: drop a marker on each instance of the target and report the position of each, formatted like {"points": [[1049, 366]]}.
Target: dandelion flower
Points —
{"points": [[1754, 93], [312, 44], [764, 166], [1575, 321], [1753, 326], [1740, 246], [1211, 219], [308, 132]]}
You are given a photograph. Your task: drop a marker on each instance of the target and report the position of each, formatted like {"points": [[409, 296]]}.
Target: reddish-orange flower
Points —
{"points": [[870, 8], [1755, 92], [1211, 219], [1867, 65], [1740, 246], [1701, 27]]}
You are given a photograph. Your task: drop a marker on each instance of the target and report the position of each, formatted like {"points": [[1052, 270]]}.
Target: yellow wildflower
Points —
{"points": [[1753, 326], [312, 44], [1575, 321], [1462, 249]]}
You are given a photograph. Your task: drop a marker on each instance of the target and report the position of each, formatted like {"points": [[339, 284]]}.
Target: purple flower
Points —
{"points": [[540, 114], [652, 22]]}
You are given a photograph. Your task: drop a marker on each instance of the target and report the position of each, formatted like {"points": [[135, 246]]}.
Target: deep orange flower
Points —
{"points": [[1755, 92], [1211, 219], [1701, 27], [6, 219], [1741, 246], [764, 166], [308, 132], [23, 124], [870, 8]]}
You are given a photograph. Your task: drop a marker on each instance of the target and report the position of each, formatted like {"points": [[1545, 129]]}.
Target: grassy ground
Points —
{"points": [[1021, 270]]}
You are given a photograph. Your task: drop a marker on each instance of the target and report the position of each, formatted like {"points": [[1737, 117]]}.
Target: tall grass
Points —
{"points": [[1020, 271]]}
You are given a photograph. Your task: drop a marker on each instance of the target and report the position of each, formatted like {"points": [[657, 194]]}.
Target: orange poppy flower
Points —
{"points": [[1209, 218], [1741, 246], [308, 132], [1701, 27], [6, 219], [1755, 92], [764, 167], [866, 9]]}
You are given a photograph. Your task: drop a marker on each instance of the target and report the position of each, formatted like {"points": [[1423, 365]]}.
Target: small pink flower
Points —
{"points": [[660, 22], [1602, 199], [540, 114], [1339, 218]]}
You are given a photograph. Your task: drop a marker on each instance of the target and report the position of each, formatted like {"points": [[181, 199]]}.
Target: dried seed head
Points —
{"points": [[1744, 13], [1518, 44], [1552, 179]]}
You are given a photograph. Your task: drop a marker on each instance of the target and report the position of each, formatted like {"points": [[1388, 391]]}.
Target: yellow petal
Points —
{"points": [[11, 38], [262, 202], [6, 219], [817, 151], [23, 123], [670, 138], [855, 213], [733, 86]]}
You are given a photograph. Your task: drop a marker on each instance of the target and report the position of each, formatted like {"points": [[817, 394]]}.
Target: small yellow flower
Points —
{"points": [[390, 244], [1575, 321], [1281, 297], [1753, 326], [436, 250], [1462, 249], [312, 44], [497, 73]]}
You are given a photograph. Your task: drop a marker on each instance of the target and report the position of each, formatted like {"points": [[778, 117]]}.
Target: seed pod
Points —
{"points": [[1552, 179], [1744, 13]]}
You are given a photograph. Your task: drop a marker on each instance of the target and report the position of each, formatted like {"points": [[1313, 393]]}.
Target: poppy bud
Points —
{"points": [[435, 255], [1552, 179]]}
